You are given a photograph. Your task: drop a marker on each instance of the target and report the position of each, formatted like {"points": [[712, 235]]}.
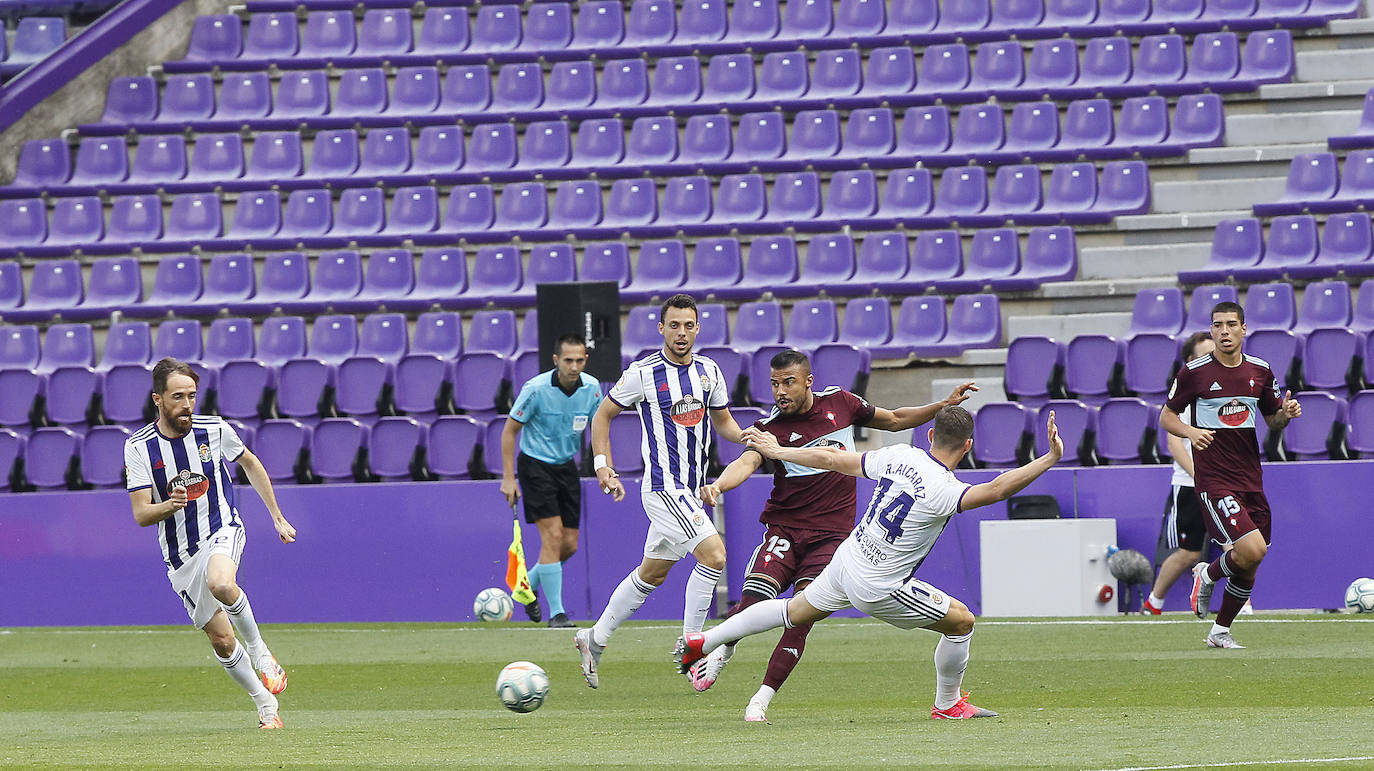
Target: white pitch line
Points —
{"points": [[1244, 763], [657, 627]]}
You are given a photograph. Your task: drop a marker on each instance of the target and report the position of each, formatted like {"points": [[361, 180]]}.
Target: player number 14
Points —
{"points": [[891, 516]]}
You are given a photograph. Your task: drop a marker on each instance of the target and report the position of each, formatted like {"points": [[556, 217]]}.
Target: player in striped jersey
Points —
{"points": [[673, 390], [874, 570], [178, 481]]}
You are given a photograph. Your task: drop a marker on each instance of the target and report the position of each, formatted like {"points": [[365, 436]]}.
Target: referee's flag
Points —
{"points": [[516, 577]]}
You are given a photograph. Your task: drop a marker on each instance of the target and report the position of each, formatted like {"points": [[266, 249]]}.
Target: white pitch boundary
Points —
{"points": [[655, 627], [1244, 763]]}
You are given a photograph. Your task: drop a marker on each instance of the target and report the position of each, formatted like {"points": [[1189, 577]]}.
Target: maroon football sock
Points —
{"points": [[1222, 567], [1234, 598], [786, 655]]}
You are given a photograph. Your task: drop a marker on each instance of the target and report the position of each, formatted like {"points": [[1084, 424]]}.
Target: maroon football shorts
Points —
{"points": [[1230, 515], [788, 555]]}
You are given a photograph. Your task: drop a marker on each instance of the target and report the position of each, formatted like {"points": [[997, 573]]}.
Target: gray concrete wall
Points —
{"points": [[83, 99]]}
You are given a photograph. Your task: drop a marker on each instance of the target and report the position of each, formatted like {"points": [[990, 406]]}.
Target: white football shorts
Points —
{"points": [[913, 605], [677, 523], [191, 582]]}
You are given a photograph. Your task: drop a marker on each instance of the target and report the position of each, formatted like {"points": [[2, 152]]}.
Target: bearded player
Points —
{"points": [[178, 481], [810, 511], [1228, 393]]}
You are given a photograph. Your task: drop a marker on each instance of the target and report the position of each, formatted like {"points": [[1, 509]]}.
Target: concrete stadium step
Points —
{"points": [[1289, 127], [1214, 195], [1254, 154], [1120, 262], [1067, 327], [1098, 288], [1343, 64]]}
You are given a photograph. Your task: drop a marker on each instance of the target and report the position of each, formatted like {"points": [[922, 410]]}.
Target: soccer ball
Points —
{"points": [[1359, 598], [492, 605], [522, 686]]}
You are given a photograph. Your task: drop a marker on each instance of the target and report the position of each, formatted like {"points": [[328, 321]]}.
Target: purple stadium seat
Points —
{"points": [[23, 221], [686, 201], [452, 440], [631, 202], [891, 72], [131, 99], [360, 93], [714, 325], [757, 324], [1052, 68], [626, 433], [229, 339], [962, 17], [55, 285], [1268, 58], [1077, 423], [328, 35], [909, 194], [477, 379], [1017, 16], [754, 21], [101, 161], [677, 80], [518, 87], [870, 132], [1051, 255], [281, 338], [393, 446], [1032, 130], [187, 98], [467, 88], [416, 91], [760, 389], [836, 74], [641, 331], [441, 275], [439, 150], [812, 323], [706, 139], [1357, 183], [1003, 434], [50, 454], [867, 323], [1361, 416], [963, 191], [979, 131], [279, 445], [69, 393], [1198, 122], [67, 345], [385, 151], [277, 155], [1331, 358], [772, 266], [1092, 364], [385, 32], [945, 69], [42, 163], [1292, 243], [815, 135], [180, 340], [1016, 194], [998, 68], [159, 160], [302, 94], [883, 259], [975, 321], [1149, 361], [842, 364], [606, 262], [34, 38], [1312, 178], [335, 153], [102, 456], [179, 282], [1270, 306], [1325, 304], [216, 157], [830, 261], [601, 143], [1321, 431], [414, 211], [796, 197], [11, 288], [729, 77], [1124, 188], [1214, 61], [716, 264], [783, 76], [134, 220], [335, 449], [994, 258], [1236, 244], [524, 206], [624, 83], [662, 266], [285, 277], [496, 271], [576, 204], [471, 208], [1200, 305], [76, 221], [1158, 310], [1106, 64], [271, 35], [229, 280], [1364, 308], [547, 145], [1035, 369], [492, 331], [920, 323], [243, 96], [1280, 348], [742, 198], [548, 263], [1346, 245], [1125, 431]]}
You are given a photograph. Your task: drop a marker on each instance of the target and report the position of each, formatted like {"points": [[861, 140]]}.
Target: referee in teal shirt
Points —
{"points": [[554, 408]]}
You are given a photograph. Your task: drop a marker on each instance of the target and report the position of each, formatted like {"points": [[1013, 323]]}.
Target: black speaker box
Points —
{"points": [[587, 308]]}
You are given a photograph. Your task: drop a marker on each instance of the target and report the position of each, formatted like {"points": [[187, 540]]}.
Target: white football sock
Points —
{"points": [[1156, 602], [625, 600], [701, 595], [241, 615], [759, 617], [1219, 629], [764, 696], [242, 673], [951, 659]]}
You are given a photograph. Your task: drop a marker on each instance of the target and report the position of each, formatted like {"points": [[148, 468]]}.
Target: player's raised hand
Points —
{"points": [[1052, 433], [762, 442], [610, 483], [285, 531], [1292, 408], [960, 393], [177, 495], [1202, 438], [710, 494]]}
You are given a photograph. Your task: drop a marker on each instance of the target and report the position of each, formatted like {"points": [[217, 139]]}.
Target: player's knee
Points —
{"points": [[224, 590], [713, 560], [962, 619]]}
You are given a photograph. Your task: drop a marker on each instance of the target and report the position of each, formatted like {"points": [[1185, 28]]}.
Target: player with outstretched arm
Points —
{"points": [[874, 570], [1228, 393], [809, 512], [674, 390], [178, 481]]}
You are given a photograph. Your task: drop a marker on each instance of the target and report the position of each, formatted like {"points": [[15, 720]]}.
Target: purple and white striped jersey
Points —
{"points": [[154, 461], [672, 401]]}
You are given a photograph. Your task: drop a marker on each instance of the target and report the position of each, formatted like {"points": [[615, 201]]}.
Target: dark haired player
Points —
{"points": [[1228, 392], [809, 512], [178, 481]]}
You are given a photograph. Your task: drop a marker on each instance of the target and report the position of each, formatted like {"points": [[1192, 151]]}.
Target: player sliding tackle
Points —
{"points": [[874, 569]]}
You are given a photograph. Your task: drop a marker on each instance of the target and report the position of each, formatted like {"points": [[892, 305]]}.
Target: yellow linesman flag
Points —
{"points": [[516, 577]]}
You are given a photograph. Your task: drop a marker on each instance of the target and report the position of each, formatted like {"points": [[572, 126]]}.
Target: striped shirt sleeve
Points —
{"points": [[136, 468]]}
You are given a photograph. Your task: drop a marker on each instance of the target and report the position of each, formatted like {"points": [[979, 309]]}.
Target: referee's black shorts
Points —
{"points": [[550, 490]]}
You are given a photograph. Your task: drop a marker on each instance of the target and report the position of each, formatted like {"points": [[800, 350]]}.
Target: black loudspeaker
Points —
{"points": [[587, 308]]}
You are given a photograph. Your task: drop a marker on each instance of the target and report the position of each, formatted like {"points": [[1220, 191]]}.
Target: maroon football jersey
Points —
{"points": [[1228, 401], [807, 498]]}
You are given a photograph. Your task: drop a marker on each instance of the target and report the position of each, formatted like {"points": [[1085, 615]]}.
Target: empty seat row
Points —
{"points": [[602, 27], [1315, 184], [1110, 67], [34, 39], [1240, 250], [693, 205], [496, 152], [1125, 431], [1326, 304]]}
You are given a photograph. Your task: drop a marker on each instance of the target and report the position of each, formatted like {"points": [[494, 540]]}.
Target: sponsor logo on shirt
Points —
{"points": [[204, 451], [688, 411], [1234, 413]]}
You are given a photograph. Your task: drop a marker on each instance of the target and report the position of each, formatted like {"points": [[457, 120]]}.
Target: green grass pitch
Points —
{"points": [[1098, 695]]}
